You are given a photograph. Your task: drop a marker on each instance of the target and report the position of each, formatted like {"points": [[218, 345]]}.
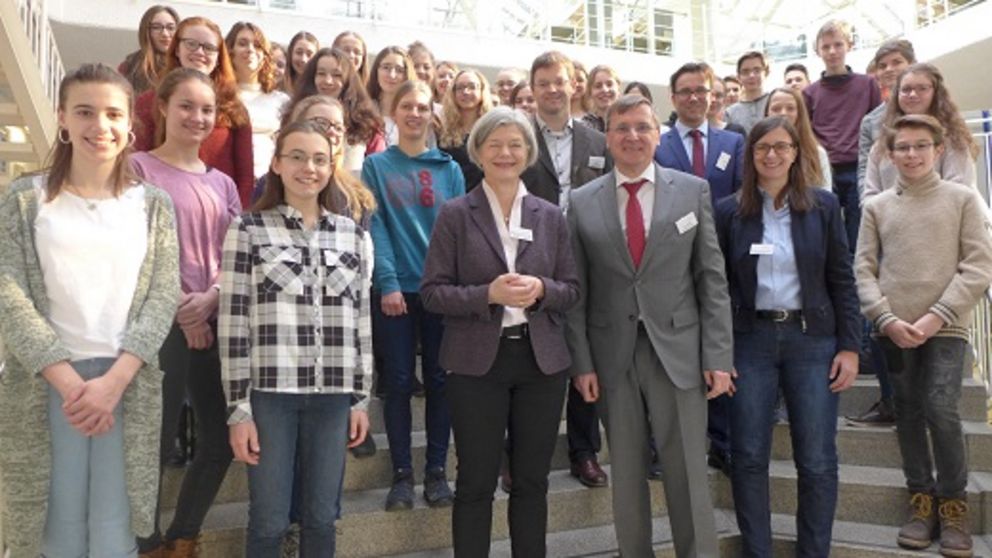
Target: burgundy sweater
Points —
{"points": [[225, 149], [836, 106]]}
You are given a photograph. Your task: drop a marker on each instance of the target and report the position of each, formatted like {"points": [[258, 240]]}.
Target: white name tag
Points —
{"points": [[686, 223], [723, 160], [762, 249], [596, 162], [522, 234]]}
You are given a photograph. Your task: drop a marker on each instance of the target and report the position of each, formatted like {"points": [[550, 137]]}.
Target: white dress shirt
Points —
{"points": [[683, 131], [560, 151], [511, 316], [645, 195]]}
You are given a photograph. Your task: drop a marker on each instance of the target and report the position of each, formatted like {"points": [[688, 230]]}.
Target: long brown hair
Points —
{"points": [[230, 112], [361, 117], [810, 160], [363, 72], [59, 160], [147, 66], [267, 70], [796, 191], [164, 92], [375, 89], [291, 76], [334, 197], [942, 108], [453, 129]]}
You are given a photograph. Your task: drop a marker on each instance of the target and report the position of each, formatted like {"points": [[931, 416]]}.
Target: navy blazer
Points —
{"points": [[465, 254], [829, 295], [671, 154]]}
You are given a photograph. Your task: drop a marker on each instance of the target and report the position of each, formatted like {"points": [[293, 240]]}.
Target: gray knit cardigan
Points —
{"points": [[25, 452]]}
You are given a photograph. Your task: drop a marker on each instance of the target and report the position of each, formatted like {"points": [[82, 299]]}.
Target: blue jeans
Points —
{"points": [[398, 337], [846, 188], [88, 509], [305, 434], [774, 356]]}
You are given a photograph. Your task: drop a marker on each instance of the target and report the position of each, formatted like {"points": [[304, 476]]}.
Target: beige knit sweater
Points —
{"points": [[924, 246]]}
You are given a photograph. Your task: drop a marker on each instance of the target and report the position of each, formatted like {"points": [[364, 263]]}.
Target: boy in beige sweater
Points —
{"points": [[923, 260]]}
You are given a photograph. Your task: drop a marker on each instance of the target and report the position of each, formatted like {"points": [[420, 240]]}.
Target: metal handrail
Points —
{"points": [[34, 17]]}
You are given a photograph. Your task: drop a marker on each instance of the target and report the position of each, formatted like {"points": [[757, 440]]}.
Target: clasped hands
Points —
{"points": [[516, 290], [88, 405], [910, 336], [192, 315]]}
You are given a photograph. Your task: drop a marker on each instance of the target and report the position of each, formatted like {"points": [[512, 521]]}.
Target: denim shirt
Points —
{"points": [[778, 277]]}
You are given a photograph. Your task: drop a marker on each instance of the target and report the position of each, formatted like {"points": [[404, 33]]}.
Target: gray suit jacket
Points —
{"points": [[542, 179], [679, 291], [465, 255]]}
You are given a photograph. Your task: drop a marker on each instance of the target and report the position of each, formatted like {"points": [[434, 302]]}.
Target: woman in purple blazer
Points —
{"points": [[499, 269]]}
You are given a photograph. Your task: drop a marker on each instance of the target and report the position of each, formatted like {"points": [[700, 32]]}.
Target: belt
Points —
{"points": [[519, 331], [779, 315]]}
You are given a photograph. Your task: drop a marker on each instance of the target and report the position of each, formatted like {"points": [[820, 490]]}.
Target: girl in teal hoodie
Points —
{"points": [[410, 182]]}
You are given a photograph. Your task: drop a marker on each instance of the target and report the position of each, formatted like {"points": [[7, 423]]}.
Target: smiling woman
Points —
{"points": [[144, 67]]}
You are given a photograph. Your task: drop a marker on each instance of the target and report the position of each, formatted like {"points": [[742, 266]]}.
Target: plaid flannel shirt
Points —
{"points": [[294, 308]]}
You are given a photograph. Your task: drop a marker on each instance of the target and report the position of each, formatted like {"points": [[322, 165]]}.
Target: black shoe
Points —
{"points": [[719, 460], [437, 493], [654, 471], [418, 388], [879, 414], [400, 496], [365, 449]]}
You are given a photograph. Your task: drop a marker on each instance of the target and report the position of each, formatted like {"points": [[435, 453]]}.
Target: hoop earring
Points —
{"points": [[66, 140], [131, 138]]}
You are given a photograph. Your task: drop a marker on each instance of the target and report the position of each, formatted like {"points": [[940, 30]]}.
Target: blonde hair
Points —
{"points": [[453, 129], [835, 27]]}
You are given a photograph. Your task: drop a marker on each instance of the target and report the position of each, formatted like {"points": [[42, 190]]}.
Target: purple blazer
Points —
{"points": [[465, 255]]}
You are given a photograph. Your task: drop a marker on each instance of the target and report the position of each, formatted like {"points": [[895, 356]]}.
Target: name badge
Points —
{"points": [[723, 160], [686, 223], [522, 234], [596, 162], [762, 249]]}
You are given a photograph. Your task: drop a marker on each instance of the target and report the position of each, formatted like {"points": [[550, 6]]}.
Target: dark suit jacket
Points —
{"points": [[829, 295], [465, 255], [671, 154], [541, 178]]}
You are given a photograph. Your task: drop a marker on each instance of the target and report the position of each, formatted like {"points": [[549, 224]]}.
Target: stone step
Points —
{"points": [[859, 397], [867, 495]]}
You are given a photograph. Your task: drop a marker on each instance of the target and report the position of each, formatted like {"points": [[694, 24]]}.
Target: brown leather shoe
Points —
{"points": [[157, 552], [505, 481], [955, 539], [921, 528], [183, 548], [589, 472]]}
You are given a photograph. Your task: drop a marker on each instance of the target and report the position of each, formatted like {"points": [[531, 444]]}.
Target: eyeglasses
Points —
{"points": [[699, 92], [907, 90], [906, 148], [160, 27], [780, 148], [300, 158], [193, 45], [325, 126], [639, 129], [467, 87]]}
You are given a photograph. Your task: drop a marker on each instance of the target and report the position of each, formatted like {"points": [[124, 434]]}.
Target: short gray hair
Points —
{"points": [[498, 117]]}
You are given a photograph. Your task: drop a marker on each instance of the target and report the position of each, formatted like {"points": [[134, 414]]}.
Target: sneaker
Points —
{"points": [[400, 496], [879, 414], [955, 540], [365, 449], [921, 528], [437, 493]]}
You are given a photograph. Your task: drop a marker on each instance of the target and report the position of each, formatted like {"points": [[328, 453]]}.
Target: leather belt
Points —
{"points": [[519, 331], [779, 315]]}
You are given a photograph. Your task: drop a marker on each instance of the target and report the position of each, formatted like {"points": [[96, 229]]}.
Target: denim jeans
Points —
{"points": [[398, 345], [774, 356], [927, 383], [304, 434], [88, 509], [846, 187]]}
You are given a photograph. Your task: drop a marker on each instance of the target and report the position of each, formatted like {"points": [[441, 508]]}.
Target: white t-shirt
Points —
{"points": [[91, 253], [265, 111]]}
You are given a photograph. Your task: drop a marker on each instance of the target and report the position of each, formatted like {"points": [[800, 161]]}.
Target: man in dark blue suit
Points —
{"points": [[694, 147]]}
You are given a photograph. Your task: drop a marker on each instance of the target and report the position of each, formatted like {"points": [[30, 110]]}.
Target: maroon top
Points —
{"points": [[225, 149], [836, 106]]}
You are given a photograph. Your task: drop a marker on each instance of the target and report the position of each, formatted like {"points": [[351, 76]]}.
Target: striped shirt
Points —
{"points": [[294, 308]]}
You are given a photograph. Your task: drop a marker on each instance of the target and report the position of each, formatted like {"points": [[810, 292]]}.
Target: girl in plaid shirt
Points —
{"points": [[295, 340]]}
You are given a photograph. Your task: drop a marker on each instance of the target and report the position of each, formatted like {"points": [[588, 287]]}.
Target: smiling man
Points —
{"points": [[752, 69], [652, 328]]}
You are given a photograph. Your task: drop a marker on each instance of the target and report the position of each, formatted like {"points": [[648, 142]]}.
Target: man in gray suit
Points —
{"points": [[652, 328]]}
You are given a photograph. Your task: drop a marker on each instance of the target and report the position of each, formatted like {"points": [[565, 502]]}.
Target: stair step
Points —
{"points": [[864, 393], [20, 152]]}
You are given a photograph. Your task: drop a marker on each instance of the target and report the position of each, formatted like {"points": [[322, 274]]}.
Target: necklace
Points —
{"points": [[90, 203]]}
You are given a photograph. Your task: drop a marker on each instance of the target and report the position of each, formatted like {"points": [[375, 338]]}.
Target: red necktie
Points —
{"points": [[698, 159], [635, 221]]}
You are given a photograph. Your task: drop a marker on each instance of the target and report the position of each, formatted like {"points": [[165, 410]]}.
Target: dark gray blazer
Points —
{"points": [[465, 255], [542, 179]]}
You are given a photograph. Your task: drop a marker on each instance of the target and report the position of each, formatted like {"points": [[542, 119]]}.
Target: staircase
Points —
{"points": [[871, 504]]}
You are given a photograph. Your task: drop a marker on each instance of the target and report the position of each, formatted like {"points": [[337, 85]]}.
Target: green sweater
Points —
{"points": [[924, 246], [25, 453]]}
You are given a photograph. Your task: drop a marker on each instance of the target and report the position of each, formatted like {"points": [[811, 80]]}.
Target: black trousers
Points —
{"points": [[582, 425], [516, 393]]}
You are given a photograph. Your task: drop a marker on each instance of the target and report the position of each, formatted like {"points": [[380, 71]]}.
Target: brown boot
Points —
{"points": [[157, 552], [921, 528], [955, 539], [183, 548]]}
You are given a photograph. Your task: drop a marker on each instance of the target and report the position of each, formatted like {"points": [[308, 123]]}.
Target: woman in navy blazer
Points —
{"points": [[499, 269], [796, 328]]}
